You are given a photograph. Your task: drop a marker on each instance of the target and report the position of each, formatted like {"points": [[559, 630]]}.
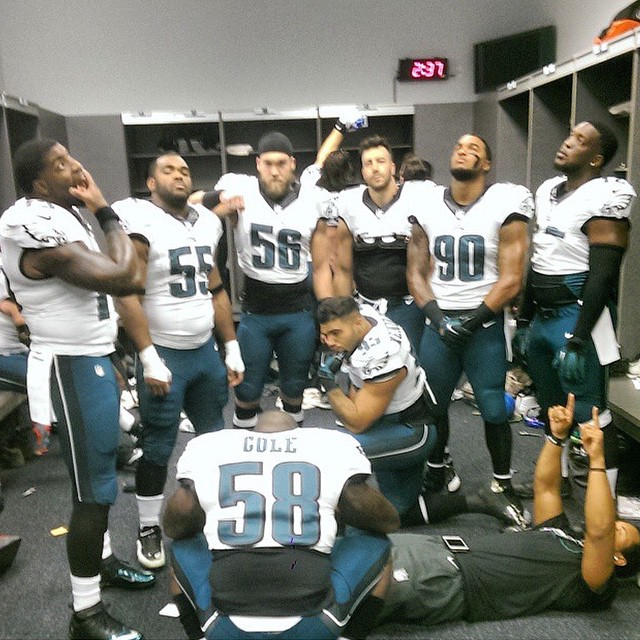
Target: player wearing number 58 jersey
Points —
{"points": [[272, 231], [466, 261], [255, 527], [171, 327]]}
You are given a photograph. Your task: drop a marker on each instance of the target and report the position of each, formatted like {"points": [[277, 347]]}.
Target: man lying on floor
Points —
{"points": [[518, 573]]}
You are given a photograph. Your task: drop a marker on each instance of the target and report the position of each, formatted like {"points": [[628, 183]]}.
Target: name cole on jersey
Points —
{"points": [[62, 318], [273, 243], [560, 243], [464, 241], [382, 353], [177, 301], [265, 490]]}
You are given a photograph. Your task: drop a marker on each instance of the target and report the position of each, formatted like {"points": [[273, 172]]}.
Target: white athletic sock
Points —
{"points": [[106, 545], [149, 508], [86, 592]]}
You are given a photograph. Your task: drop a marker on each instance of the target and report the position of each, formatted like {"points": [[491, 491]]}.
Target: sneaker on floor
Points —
{"points": [[525, 490], [116, 573], [500, 506], [314, 399], [95, 623], [434, 479], [150, 548], [519, 512], [186, 426], [451, 478]]}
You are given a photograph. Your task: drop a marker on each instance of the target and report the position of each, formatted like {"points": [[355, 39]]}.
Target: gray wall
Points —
{"points": [[106, 56]]}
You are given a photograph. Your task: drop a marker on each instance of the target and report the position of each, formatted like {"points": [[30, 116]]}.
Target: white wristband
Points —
{"points": [[233, 357], [153, 366]]}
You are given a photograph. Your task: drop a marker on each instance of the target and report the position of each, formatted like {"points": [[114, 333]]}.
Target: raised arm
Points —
{"points": [[365, 508], [343, 267], [117, 272], [599, 510], [547, 501]]}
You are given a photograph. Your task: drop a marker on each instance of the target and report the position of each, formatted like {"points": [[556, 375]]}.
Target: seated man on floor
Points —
{"points": [[254, 523], [512, 574]]}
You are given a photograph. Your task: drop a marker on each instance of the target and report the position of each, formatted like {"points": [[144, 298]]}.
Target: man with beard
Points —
{"points": [[171, 328], [372, 235], [466, 261], [63, 283], [274, 220], [581, 234]]}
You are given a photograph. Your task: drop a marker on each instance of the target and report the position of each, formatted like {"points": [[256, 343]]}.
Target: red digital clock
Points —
{"points": [[420, 69]]}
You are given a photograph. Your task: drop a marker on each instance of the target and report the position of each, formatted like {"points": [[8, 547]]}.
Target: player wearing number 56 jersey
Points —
{"points": [[171, 327], [466, 261], [272, 231], [61, 279], [255, 526]]}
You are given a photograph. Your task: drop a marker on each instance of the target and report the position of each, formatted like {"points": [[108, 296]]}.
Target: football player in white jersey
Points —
{"points": [[254, 521], [389, 405], [272, 231], [466, 261], [580, 237], [372, 235], [63, 283], [171, 328]]}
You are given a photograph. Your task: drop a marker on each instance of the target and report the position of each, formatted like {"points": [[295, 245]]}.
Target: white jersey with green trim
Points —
{"points": [[464, 241], [177, 302], [63, 319], [560, 243], [383, 352], [271, 489], [273, 242]]}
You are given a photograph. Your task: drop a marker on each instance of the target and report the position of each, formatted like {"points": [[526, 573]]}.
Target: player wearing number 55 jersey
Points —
{"points": [[273, 230], [255, 528], [466, 261], [171, 328]]}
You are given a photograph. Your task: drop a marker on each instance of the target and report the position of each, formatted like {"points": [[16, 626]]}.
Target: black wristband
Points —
{"points": [[339, 126], [559, 442], [211, 199], [107, 219], [432, 311], [216, 290]]}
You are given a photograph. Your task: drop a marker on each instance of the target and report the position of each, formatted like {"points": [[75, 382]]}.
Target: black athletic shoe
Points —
{"points": [[499, 506], [96, 624], [116, 573], [9, 546], [525, 490], [519, 513], [434, 480]]}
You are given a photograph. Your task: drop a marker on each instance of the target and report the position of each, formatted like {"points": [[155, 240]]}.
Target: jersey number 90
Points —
{"points": [[295, 514], [466, 260]]}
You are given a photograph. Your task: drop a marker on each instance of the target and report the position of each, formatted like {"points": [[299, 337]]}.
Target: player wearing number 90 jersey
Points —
{"points": [[273, 237], [255, 523], [466, 262]]}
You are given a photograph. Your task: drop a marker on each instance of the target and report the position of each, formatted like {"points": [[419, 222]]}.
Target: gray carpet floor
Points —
{"points": [[35, 591]]}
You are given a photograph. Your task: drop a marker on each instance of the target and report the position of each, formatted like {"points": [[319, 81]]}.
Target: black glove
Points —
{"points": [[330, 364], [24, 335]]}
